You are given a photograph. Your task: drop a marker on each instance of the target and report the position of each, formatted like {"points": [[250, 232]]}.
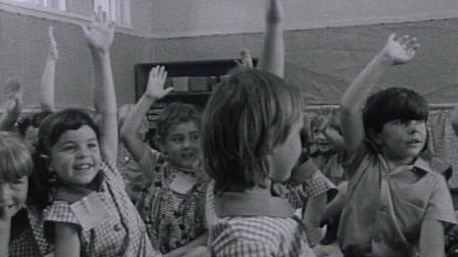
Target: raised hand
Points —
{"points": [[100, 32], [13, 96], [274, 11], [400, 50], [156, 81], [53, 52], [245, 59]]}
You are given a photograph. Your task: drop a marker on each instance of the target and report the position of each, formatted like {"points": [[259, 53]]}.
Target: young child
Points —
{"points": [[251, 139], [21, 227], [328, 146], [172, 203], [396, 205], [87, 206]]}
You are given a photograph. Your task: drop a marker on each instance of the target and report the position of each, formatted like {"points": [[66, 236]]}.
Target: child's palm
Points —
{"points": [[156, 81], [401, 50], [100, 33]]}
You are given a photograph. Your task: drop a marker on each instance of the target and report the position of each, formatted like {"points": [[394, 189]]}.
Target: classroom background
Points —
{"points": [[328, 42]]}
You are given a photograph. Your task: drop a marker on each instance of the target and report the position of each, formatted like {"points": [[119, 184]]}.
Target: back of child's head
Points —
{"points": [[174, 114], [249, 114], [15, 158], [34, 120], [395, 103], [50, 131]]}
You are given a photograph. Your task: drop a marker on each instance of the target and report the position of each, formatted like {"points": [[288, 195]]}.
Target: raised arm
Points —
{"points": [[13, 105], [396, 51], [47, 87], [154, 91], [99, 35], [273, 52]]}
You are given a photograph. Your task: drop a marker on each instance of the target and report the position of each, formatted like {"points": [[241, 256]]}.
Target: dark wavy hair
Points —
{"points": [[174, 114], [49, 133]]}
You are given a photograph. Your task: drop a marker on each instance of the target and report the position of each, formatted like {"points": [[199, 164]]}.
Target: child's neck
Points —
{"points": [[395, 162]]}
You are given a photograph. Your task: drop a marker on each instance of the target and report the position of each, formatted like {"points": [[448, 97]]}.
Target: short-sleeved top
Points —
{"points": [[113, 228], [252, 225], [173, 218], [385, 208], [31, 242]]}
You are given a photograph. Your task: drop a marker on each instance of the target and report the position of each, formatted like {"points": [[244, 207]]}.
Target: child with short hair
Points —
{"points": [[172, 203], [84, 195], [21, 227], [251, 139], [396, 205]]}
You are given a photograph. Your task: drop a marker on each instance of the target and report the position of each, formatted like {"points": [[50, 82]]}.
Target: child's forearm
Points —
{"points": [[273, 51], [189, 248], [131, 125], [47, 88], [105, 102], [312, 217], [355, 97]]}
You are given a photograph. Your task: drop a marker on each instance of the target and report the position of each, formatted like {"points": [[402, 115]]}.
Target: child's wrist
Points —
{"points": [[384, 59]]}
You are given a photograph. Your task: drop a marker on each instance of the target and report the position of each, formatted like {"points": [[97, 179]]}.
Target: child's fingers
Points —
{"points": [[392, 37], [404, 39]]}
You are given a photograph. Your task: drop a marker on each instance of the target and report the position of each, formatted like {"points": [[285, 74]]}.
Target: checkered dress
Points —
{"points": [[121, 234], [172, 219], [317, 185], [259, 236], [31, 242]]}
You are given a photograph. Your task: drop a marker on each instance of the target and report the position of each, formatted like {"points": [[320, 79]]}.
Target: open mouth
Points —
{"points": [[83, 166]]}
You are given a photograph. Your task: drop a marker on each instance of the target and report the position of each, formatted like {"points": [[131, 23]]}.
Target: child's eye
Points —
{"points": [[177, 140], [92, 145], [195, 137], [69, 148]]}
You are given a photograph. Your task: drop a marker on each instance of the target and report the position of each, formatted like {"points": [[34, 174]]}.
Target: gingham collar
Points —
{"points": [[252, 204]]}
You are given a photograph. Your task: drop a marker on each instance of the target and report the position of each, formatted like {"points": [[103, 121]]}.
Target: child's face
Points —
{"points": [[286, 155], [402, 141], [13, 195], [75, 157], [182, 144], [320, 140]]}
